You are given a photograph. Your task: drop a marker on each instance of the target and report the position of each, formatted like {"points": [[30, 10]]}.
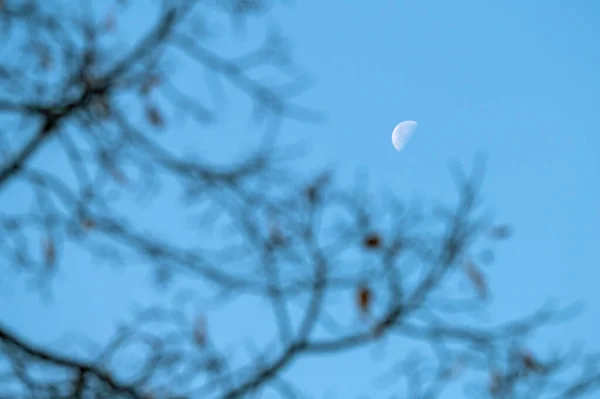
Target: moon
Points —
{"points": [[402, 133]]}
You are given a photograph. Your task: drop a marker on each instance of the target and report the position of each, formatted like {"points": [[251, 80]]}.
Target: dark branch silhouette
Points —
{"points": [[82, 111]]}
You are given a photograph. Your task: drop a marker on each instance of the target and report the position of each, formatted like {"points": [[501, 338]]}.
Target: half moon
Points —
{"points": [[402, 133]]}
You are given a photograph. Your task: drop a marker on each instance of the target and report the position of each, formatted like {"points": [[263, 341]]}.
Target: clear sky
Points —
{"points": [[516, 79]]}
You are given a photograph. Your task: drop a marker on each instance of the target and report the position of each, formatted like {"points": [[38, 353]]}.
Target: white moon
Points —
{"points": [[402, 133]]}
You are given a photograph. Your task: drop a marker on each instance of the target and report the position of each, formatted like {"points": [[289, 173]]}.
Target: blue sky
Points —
{"points": [[515, 79]]}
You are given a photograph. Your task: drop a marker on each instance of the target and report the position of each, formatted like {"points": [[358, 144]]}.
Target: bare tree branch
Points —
{"points": [[89, 131]]}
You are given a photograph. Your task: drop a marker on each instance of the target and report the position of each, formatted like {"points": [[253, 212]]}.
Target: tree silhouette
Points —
{"points": [[83, 107]]}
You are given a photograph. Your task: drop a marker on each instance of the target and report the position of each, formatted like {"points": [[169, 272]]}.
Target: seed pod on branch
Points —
{"points": [[200, 332], [495, 383], [276, 236], [364, 298], [477, 279], [117, 174], [49, 252], [313, 189], [530, 363], [87, 224], [372, 241], [154, 116], [110, 22], [45, 58]]}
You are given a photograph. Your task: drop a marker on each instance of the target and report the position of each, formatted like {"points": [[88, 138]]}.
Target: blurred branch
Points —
{"points": [[89, 109]]}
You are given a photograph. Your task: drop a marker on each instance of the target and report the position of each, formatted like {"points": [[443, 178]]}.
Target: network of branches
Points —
{"points": [[90, 104]]}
